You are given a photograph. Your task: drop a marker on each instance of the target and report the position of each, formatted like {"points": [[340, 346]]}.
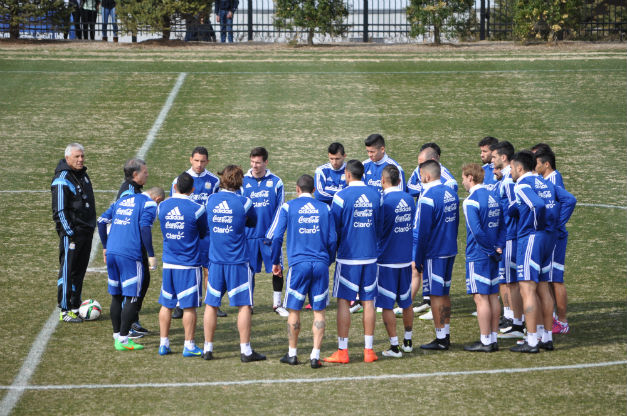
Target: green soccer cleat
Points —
{"points": [[129, 346], [69, 316]]}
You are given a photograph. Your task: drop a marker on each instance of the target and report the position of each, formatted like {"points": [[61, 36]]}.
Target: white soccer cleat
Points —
{"points": [[422, 307], [356, 308], [398, 311], [281, 311], [392, 353], [379, 310], [427, 316]]}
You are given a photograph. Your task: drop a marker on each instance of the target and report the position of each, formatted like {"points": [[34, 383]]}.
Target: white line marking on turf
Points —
{"points": [[323, 379], [20, 383]]}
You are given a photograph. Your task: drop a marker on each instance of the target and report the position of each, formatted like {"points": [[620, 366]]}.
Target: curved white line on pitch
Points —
{"points": [[323, 379]]}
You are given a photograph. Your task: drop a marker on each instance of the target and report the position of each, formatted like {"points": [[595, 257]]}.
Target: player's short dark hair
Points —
{"points": [[432, 167], [488, 141], [335, 148], [375, 140], [184, 183], [391, 172], [505, 148], [432, 145], [356, 168], [525, 159], [541, 147], [546, 156], [131, 166], [231, 177], [259, 151], [475, 170], [305, 183], [201, 151]]}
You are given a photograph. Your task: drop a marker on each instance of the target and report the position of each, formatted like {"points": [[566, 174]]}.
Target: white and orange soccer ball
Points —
{"points": [[90, 310]]}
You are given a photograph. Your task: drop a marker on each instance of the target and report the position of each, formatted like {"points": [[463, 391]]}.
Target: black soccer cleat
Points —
{"points": [[255, 356], [286, 359], [436, 344], [548, 346], [315, 363], [207, 355], [221, 313], [137, 327], [177, 313], [524, 347], [479, 347]]}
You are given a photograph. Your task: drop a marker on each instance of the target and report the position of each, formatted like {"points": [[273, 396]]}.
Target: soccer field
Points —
{"points": [[160, 102]]}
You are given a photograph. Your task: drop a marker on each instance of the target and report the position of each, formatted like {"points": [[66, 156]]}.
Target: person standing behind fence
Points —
{"points": [[108, 10], [89, 14], [225, 9]]}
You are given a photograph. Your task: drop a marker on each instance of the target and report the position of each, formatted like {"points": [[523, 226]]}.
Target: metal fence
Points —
{"points": [[383, 21]]}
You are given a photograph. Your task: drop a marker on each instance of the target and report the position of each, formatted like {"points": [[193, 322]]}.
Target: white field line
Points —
{"points": [[110, 191], [20, 383], [322, 379]]}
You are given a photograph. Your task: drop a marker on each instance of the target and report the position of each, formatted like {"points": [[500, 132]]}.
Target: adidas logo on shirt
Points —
{"points": [[540, 184], [492, 203], [402, 207], [448, 197], [308, 208], [363, 202], [130, 202], [174, 215], [223, 208], [247, 185]]}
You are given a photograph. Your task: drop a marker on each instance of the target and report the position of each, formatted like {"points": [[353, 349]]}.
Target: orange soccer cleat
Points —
{"points": [[370, 355], [339, 356]]}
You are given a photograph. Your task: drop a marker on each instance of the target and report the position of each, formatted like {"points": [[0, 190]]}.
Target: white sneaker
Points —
{"points": [[281, 311], [398, 311], [422, 307], [427, 316], [356, 308], [407, 346], [390, 353]]}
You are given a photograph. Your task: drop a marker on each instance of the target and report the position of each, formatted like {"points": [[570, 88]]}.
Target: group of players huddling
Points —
{"points": [[384, 234]]}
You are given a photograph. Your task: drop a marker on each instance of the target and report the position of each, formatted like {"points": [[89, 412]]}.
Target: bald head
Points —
{"points": [[428, 153]]}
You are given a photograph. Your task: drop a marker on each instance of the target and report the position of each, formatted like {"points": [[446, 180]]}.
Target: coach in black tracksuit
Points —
{"points": [[74, 213]]}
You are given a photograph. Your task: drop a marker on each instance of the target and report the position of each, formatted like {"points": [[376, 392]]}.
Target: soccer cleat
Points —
{"points": [[255, 356], [69, 316], [524, 347], [398, 311], [130, 345], [132, 334], [436, 344], [339, 356], [315, 363], [281, 311], [474, 313], [505, 324], [308, 306], [560, 327], [516, 331], [286, 359], [407, 345], [379, 310], [137, 327], [422, 307], [164, 350], [548, 346], [369, 355], [495, 346], [426, 316], [207, 355], [356, 307], [195, 352], [177, 313], [394, 351], [221, 313], [479, 347]]}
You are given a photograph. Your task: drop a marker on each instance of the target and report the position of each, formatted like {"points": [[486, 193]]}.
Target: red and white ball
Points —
{"points": [[90, 310]]}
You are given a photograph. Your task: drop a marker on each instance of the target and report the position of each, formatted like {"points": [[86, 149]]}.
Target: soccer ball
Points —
{"points": [[90, 310]]}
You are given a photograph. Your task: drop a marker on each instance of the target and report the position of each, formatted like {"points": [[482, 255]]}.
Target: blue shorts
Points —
{"points": [[182, 284], [308, 278], [559, 256], [548, 247], [125, 275], [258, 252], [482, 277], [236, 279], [351, 280], [393, 285], [436, 276], [507, 265], [529, 258]]}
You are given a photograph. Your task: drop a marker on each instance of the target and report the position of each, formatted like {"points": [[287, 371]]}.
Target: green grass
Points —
{"points": [[295, 102]]}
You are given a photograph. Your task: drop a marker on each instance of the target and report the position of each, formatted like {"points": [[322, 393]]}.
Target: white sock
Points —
{"points": [[291, 352], [493, 337], [368, 340], [518, 321], [547, 336], [447, 329], [522, 317], [409, 334], [164, 341], [208, 347], [276, 299], [393, 341], [190, 345], [532, 339], [342, 343], [116, 335], [245, 348], [440, 333], [123, 340], [315, 354], [508, 312], [486, 339], [539, 331]]}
